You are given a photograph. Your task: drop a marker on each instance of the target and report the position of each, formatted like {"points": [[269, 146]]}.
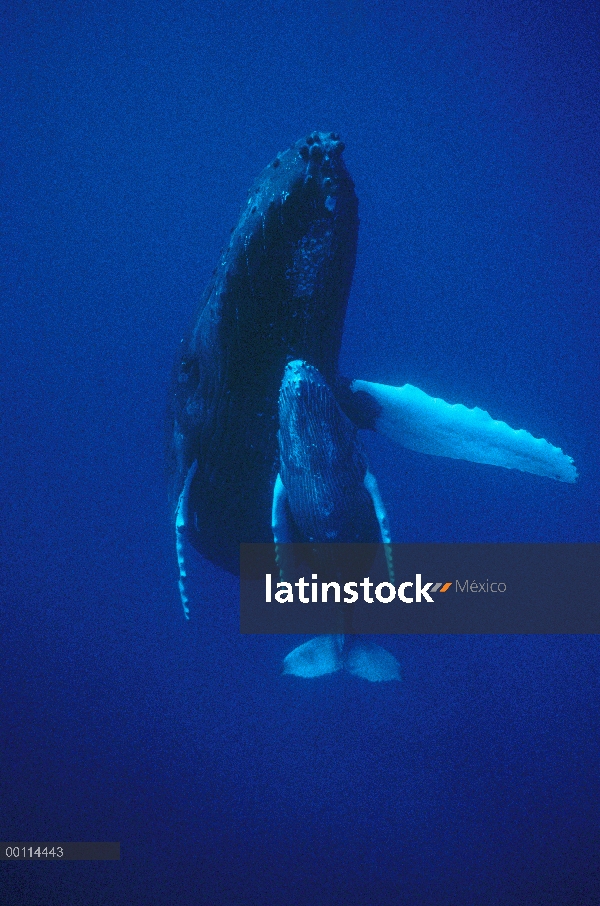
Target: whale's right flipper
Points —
{"points": [[426, 424], [372, 487]]}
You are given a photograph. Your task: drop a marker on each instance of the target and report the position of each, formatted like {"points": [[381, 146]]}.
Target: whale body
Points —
{"points": [[279, 294], [325, 493]]}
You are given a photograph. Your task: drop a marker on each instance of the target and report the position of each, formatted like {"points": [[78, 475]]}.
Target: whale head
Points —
{"points": [[283, 283]]}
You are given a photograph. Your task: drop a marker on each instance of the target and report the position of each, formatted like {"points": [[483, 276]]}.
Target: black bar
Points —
{"points": [[60, 852], [491, 589]]}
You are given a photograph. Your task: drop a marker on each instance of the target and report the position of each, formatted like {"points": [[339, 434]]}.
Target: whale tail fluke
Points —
{"points": [[330, 653]]}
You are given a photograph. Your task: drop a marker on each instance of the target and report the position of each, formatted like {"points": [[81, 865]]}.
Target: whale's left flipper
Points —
{"points": [[181, 527], [426, 424]]}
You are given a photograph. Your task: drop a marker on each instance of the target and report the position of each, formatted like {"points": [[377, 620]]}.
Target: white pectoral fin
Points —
{"points": [[282, 530], [380, 511], [429, 425], [181, 523], [280, 520], [384, 526]]}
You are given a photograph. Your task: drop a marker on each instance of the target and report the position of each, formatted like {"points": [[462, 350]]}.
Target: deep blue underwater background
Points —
{"points": [[131, 133]]}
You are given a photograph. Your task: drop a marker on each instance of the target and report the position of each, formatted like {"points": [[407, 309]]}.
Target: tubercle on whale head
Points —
{"points": [[314, 161], [322, 153], [297, 375], [317, 157]]}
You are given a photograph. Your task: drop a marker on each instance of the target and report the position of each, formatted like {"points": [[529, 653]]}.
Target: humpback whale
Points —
{"points": [[279, 295], [325, 492]]}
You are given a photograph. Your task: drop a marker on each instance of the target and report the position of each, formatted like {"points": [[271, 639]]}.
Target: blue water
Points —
{"points": [[131, 133]]}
